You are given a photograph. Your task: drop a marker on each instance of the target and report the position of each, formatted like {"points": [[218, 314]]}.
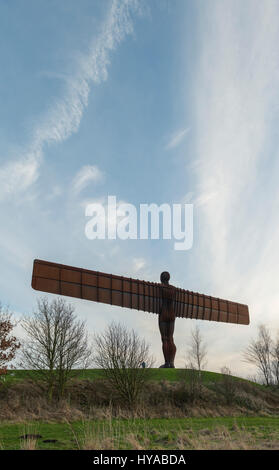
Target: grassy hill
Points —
{"points": [[179, 392], [175, 411], [169, 375]]}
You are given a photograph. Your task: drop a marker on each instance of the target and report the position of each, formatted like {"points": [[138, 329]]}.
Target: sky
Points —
{"points": [[153, 102]]}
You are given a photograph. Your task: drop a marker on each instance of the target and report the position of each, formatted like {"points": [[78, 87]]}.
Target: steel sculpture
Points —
{"points": [[162, 298]]}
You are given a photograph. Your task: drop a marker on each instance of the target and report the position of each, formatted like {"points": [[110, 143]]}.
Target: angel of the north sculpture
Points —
{"points": [[165, 300]]}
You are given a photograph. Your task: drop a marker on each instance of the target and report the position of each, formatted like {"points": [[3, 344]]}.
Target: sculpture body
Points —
{"points": [[167, 320]]}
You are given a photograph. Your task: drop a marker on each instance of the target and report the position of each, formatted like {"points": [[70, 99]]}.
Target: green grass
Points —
{"points": [[170, 375], [153, 433]]}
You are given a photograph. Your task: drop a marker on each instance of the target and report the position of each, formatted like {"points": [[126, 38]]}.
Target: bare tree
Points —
{"points": [[56, 344], [8, 342], [121, 354], [275, 361], [259, 353], [197, 351]]}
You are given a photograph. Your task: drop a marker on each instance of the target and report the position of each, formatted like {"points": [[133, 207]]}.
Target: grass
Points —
{"points": [[170, 375], [166, 419], [168, 433]]}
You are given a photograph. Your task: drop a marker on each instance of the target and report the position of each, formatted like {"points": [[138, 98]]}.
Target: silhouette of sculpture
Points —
{"points": [[163, 299], [167, 320]]}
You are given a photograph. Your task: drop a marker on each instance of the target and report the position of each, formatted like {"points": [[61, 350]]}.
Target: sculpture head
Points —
{"points": [[165, 277]]}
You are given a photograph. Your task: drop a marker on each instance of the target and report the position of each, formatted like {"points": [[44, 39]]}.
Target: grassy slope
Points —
{"points": [[170, 375], [155, 433]]}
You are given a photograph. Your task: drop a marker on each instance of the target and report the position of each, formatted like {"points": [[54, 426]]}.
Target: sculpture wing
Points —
{"points": [[96, 286], [189, 304]]}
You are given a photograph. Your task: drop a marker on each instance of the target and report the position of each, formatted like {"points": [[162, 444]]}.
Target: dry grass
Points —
{"points": [[102, 437], [126, 434], [221, 438], [109, 436], [25, 401], [144, 434], [28, 444], [29, 440]]}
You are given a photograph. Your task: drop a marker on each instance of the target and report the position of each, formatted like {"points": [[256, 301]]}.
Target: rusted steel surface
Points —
{"points": [[96, 286], [204, 307], [132, 293]]}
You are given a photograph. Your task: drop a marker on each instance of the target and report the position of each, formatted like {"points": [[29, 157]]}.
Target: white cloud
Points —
{"points": [[87, 174], [237, 89], [176, 138], [138, 264], [17, 176], [205, 198], [64, 116]]}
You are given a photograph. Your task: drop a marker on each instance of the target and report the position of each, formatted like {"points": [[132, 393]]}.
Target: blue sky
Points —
{"points": [[164, 102]]}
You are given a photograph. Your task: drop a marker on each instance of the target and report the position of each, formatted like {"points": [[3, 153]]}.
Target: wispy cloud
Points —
{"points": [[138, 264], [63, 117], [176, 138], [87, 174], [17, 176], [237, 88], [205, 198]]}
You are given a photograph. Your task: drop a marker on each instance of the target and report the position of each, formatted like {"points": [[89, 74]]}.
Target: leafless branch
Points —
{"points": [[57, 343]]}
